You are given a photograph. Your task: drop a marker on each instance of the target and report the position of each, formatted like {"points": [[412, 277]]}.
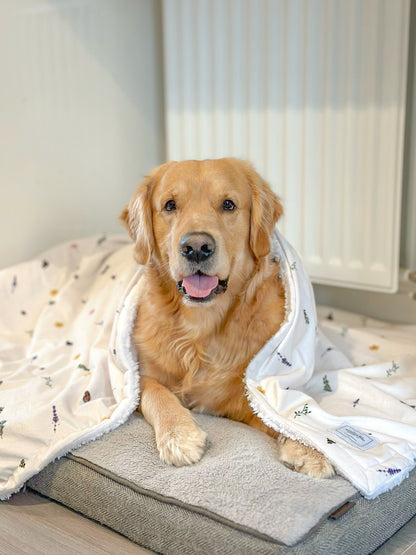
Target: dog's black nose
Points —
{"points": [[196, 246]]}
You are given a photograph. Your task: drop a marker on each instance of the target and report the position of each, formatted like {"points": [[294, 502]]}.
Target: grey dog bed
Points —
{"points": [[237, 499]]}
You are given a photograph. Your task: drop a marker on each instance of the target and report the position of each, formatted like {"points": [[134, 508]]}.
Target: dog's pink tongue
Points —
{"points": [[200, 286]]}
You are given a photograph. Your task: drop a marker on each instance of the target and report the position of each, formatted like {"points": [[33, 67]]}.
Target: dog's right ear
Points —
{"points": [[137, 215], [137, 218]]}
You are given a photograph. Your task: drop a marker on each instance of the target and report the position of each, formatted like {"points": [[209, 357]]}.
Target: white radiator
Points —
{"points": [[312, 92]]}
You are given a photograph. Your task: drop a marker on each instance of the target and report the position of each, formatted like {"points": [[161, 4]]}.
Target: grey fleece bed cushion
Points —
{"points": [[237, 499]]}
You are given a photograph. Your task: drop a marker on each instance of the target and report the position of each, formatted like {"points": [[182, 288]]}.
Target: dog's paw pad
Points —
{"points": [[304, 459], [182, 445]]}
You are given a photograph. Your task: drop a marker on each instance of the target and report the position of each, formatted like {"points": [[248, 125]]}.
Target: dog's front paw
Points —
{"points": [[304, 459], [182, 445]]}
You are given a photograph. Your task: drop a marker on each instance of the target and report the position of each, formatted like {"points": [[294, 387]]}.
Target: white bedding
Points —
{"points": [[346, 386], [68, 373]]}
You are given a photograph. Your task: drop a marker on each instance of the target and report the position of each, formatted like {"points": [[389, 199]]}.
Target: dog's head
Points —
{"points": [[202, 223]]}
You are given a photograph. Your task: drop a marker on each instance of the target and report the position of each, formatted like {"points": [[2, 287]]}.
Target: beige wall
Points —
{"points": [[81, 116], [398, 307]]}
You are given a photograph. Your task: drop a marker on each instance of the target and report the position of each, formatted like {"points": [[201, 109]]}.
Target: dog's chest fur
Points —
{"points": [[203, 359]]}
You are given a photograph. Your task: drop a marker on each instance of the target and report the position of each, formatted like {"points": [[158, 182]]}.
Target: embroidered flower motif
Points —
{"points": [[101, 240], [330, 441], [355, 403], [393, 369], [53, 292], [22, 463], [306, 316], [283, 359], [389, 471], [374, 347], [2, 424], [45, 263], [327, 385], [48, 381], [14, 283], [83, 367], [55, 418], [86, 397], [305, 411], [293, 266], [261, 389], [59, 325]]}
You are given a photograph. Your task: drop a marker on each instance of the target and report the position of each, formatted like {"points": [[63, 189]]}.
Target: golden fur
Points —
{"points": [[193, 352]]}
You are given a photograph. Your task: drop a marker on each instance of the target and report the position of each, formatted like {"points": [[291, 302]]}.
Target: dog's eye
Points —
{"points": [[228, 205], [170, 206]]}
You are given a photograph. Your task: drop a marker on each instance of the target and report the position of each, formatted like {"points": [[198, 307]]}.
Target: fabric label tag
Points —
{"points": [[355, 437]]}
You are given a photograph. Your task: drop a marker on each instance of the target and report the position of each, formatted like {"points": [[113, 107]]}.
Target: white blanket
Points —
{"points": [[347, 387], [68, 372]]}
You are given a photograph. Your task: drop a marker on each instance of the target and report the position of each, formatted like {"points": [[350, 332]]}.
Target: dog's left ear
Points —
{"points": [[265, 211]]}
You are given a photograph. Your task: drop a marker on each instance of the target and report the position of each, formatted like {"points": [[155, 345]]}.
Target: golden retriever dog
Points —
{"points": [[212, 298]]}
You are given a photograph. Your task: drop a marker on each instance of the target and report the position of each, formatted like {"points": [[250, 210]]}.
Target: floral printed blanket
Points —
{"points": [[346, 386], [68, 372]]}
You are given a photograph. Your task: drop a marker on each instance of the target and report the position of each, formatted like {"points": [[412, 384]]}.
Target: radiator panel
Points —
{"points": [[313, 93]]}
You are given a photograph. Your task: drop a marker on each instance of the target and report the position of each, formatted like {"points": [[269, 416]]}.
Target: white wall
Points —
{"points": [[81, 116]]}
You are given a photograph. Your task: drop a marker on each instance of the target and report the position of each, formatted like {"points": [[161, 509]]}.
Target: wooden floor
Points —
{"points": [[403, 542], [33, 525]]}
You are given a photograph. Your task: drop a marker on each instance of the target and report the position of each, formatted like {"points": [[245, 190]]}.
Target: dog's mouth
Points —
{"points": [[201, 288]]}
